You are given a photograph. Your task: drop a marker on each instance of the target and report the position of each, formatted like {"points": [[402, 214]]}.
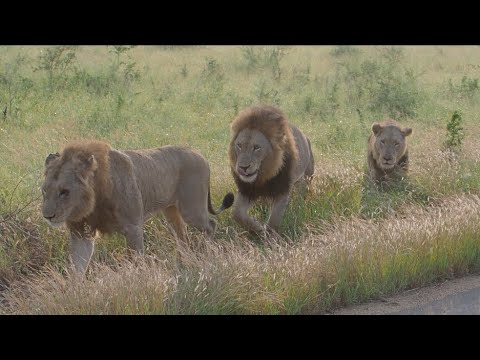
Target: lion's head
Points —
{"points": [[72, 181], [261, 138], [389, 143]]}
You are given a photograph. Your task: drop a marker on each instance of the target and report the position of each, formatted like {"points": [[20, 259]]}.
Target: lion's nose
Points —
{"points": [[244, 168], [388, 157], [49, 217]]}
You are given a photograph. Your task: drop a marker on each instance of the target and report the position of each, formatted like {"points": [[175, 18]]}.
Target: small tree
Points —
{"points": [[130, 72], [14, 87], [455, 134], [56, 61]]}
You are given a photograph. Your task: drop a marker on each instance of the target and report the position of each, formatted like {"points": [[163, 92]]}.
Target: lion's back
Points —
{"points": [[161, 172]]}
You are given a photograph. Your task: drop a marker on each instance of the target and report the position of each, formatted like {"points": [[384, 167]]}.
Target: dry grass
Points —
{"points": [[354, 260]]}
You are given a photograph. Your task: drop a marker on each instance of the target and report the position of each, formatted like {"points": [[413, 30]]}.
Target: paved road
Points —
{"points": [[453, 297]]}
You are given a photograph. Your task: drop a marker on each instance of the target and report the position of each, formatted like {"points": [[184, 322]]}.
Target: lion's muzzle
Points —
{"points": [[246, 173], [54, 222], [388, 162]]}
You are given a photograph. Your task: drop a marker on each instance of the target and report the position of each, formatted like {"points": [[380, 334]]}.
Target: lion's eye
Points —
{"points": [[256, 147], [64, 193], [239, 146], [382, 142], [396, 144]]}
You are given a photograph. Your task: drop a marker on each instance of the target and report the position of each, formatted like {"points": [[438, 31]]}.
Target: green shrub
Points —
{"points": [[263, 58], [381, 85], [341, 50], [455, 133], [467, 87], [57, 62], [14, 86]]}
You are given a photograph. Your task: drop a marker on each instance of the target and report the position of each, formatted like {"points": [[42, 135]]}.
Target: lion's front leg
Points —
{"points": [[240, 214], [372, 169], [81, 250], [134, 235], [402, 167], [278, 209]]}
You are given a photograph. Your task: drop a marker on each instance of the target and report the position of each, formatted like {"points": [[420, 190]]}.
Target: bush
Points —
{"points": [[213, 76], [127, 69], [57, 61], [115, 77], [382, 83], [266, 94], [14, 86], [455, 134], [341, 50], [264, 58], [467, 87]]}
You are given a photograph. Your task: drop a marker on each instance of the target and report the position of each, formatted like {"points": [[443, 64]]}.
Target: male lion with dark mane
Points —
{"points": [[388, 151], [267, 156], [90, 187]]}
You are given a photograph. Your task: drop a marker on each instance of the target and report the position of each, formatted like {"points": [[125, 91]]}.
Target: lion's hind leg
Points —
{"points": [[174, 218], [193, 203], [199, 219], [134, 235]]}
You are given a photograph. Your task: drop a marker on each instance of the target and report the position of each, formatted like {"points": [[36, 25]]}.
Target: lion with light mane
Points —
{"points": [[267, 156], [90, 187], [388, 151]]}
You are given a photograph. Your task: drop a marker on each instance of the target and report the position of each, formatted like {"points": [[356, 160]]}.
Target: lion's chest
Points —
{"points": [[105, 218], [272, 188]]}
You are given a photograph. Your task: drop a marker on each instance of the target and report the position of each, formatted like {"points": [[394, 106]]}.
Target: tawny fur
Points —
{"points": [[390, 131], [117, 191]]}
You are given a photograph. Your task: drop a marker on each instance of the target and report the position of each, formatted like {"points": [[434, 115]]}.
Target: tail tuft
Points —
{"points": [[227, 201]]}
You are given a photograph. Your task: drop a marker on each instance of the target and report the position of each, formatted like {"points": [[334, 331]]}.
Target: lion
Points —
{"points": [[388, 151], [90, 186], [267, 157]]}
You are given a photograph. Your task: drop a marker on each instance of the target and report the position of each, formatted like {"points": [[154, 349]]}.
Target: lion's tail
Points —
{"points": [[226, 203]]}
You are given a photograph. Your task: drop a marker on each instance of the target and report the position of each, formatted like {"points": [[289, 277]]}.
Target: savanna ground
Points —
{"points": [[344, 241]]}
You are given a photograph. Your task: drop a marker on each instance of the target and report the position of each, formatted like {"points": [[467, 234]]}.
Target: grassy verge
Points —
{"points": [[353, 261]]}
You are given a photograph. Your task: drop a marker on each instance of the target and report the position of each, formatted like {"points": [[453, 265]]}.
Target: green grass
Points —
{"points": [[154, 96]]}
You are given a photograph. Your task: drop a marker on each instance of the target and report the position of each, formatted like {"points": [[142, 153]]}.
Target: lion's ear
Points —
{"points": [[91, 163], [51, 157], [86, 165], [376, 128], [407, 131]]}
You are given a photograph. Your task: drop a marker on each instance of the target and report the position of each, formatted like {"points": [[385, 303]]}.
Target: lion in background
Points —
{"points": [[90, 187], [267, 156], [388, 151]]}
